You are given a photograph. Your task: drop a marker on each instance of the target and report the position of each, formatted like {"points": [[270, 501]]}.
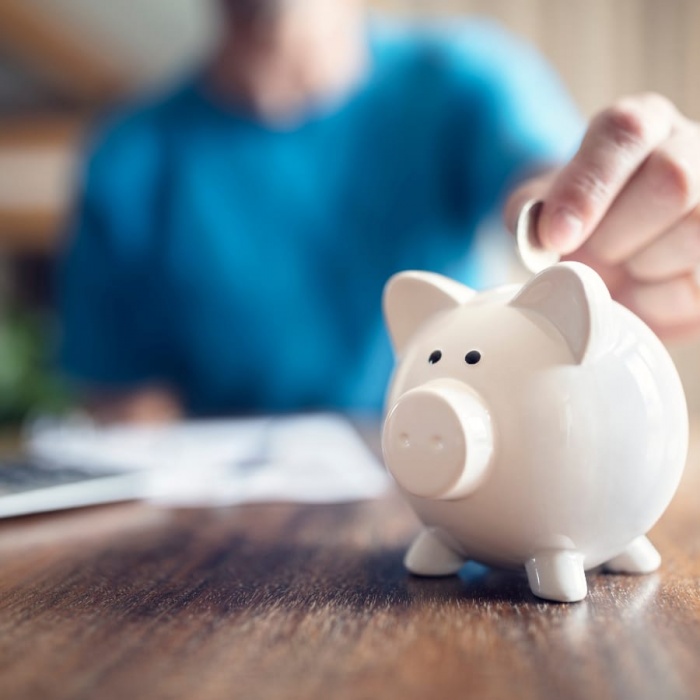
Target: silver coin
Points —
{"points": [[532, 255]]}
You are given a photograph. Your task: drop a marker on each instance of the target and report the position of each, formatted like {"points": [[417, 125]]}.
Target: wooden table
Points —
{"points": [[287, 601]]}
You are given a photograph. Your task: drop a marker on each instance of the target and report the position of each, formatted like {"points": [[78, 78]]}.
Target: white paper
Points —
{"points": [[310, 458]]}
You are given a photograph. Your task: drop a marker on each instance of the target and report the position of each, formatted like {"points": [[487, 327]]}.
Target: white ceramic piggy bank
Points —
{"points": [[542, 426]]}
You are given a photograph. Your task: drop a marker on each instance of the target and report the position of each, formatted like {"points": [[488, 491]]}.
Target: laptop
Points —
{"points": [[27, 487]]}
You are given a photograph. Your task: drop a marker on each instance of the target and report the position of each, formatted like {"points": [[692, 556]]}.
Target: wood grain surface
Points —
{"points": [[286, 601]]}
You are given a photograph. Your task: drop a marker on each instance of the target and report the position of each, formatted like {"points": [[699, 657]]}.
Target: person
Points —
{"points": [[233, 236]]}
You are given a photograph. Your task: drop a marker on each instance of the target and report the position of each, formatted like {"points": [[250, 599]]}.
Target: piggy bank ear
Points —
{"points": [[576, 301], [411, 298]]}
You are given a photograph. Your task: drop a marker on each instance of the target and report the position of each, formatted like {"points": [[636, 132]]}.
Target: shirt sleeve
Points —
{"points": [[512, 114], [107, 334]]}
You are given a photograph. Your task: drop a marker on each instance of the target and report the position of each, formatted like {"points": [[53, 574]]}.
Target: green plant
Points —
{"points": [[27, 383]]}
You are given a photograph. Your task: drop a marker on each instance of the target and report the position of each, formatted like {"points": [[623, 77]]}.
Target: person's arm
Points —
{"points": [[628, 205]]}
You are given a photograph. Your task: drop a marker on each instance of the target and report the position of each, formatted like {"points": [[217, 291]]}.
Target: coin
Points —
{"points": [[532, 255]]}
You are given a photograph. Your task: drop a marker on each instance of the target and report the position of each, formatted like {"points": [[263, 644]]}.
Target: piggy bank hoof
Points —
{"points": [[639, 557], [430, 556], [557, 575]]}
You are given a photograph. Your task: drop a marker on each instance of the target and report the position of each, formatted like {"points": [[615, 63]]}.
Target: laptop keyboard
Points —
{"points": [[18, 477]]}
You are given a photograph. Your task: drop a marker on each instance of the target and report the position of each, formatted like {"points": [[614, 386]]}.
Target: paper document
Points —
{"points": [[308, 458]]}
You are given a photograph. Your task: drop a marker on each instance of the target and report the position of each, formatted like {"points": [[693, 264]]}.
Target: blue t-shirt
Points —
{"points": [[243, 266]]}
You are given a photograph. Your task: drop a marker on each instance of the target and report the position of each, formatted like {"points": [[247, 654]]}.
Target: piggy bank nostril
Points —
{"points": [[404, 440], [437, 443]]}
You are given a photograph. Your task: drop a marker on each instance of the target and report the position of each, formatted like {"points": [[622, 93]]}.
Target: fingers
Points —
{"points": [[675, 253], [671, 307], [665, 306], [618, 141], [628, 204], [662, 192]]}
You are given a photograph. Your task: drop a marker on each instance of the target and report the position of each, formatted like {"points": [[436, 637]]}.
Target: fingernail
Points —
{"points": [[564, 231]]}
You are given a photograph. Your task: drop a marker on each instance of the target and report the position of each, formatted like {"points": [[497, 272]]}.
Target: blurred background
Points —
{"points": [[62, 61]]}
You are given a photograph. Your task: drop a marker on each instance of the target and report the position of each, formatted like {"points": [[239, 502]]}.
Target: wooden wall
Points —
{"points": [[602, 48]]}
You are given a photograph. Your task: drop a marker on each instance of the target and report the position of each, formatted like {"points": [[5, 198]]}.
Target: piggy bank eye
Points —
{"points": [[472, 357], [435, 356]]}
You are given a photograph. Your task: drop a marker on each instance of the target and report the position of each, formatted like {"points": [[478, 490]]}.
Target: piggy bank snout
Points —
{"points": [[438, 440]]}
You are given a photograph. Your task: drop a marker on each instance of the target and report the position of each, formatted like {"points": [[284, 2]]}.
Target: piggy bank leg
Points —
{"points": [[639, 557], [431, 556], [557, 575]]}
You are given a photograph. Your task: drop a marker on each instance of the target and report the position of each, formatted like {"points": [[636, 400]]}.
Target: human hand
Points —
{"points": [[144, 405], [628, 205]]}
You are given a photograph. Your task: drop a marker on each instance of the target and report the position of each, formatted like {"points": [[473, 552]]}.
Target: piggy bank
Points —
{"points": [[542, 426]]}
